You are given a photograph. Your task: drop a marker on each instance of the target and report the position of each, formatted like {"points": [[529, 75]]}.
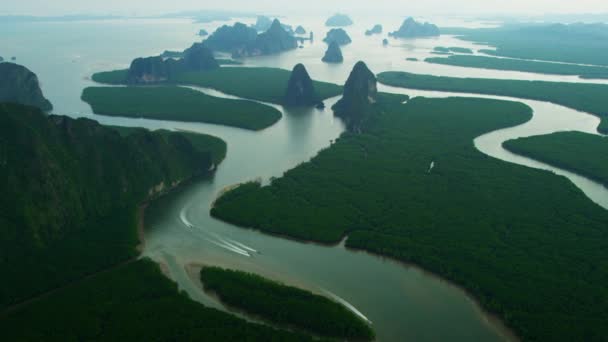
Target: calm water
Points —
{"points": [[402, 302]]}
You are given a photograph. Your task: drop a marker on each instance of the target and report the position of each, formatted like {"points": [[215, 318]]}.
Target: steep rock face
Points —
{"points": [[58, 172], [148, 70], [333, 54], [413, 29], [300, 89], [19, 85], [300, 30], [157, 69], [360, 94], [339, 20], [377, 29], [198, 58], [337, 35], [275, 40]]}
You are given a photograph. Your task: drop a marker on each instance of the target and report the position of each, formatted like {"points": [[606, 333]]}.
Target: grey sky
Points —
{"points": [[426, 7]]}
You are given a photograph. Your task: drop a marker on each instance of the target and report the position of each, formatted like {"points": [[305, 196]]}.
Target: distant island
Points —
{"points": [[244, 41], [337, 35], [333, 53], [339, 20], [300, 30], [413, 29], [377, 29], [203, 33], [19, 85], [385, 42], [262, 23]]}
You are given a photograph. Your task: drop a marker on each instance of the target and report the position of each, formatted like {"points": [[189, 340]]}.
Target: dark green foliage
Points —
{"points": [[526, 243], [68, 191], [202, 142], [360, 95], [582, 153], [337, 35], [338, 20], [412, 59], [574, 43], [263, 84], [179, 104], [333, 53], [522, 65], [133, 302], [413, 29], [285, 305], [585, 97], [20, 85], [115, 77], [300, 89], [377, 29], [199, 58], [275, 40]]}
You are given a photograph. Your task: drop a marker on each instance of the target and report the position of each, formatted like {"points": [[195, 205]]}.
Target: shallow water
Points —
{"points": [[402, 302]]}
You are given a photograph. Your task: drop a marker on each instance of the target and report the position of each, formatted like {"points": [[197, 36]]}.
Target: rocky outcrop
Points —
{"points": [[338, 20], [337, 35], [275, 40], [333, 54], [262, 23], [243, 41], [377, 29], [300, 30], [413, 29], [150, 70], [203, 33], [159, 69], [231, 38], [360, 94], [300, 89], [19, 85], [199, 58], [385, 42]]}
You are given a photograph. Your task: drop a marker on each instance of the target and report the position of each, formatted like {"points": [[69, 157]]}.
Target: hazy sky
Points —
{"points": [[425, 7]]}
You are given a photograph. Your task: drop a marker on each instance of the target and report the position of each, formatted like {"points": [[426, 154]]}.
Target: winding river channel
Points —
{"points": [[401, 301]]}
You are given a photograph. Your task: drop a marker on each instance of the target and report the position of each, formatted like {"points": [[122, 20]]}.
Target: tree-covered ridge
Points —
{"points": [[585, 71], [133, 302], [582, 153], [19, 85], [69, 188], [585, 97], [572, 43], [179, 104], [527, 244], [413, 29], [285, 305]]}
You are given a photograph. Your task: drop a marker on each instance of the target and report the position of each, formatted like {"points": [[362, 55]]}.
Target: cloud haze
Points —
{"points": [[427, 7]]}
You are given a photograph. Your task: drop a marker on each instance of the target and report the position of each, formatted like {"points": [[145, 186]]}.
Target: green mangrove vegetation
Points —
{"points": [[70, 189], [521, 65], [245, 82], [573, 43], [179, 104], [411, 185], [582, 153], [585, 97], [452, 49], [285, 305], [134, 301]]}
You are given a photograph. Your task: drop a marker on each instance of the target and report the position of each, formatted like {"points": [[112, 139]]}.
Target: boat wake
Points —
{"points": [[347, 305], [220, 241]]}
